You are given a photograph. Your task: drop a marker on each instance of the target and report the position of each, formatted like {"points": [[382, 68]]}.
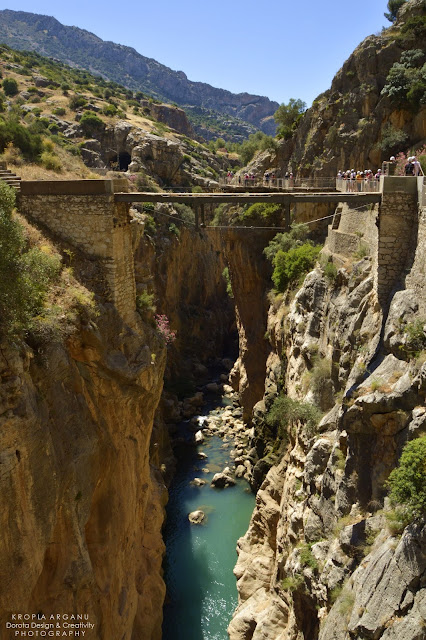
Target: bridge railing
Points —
{"points": [[355, 186]]}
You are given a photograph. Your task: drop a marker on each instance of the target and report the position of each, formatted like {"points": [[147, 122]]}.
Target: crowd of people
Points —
{"points": [[350, 180], [250, 179], [368, 181], [359, 180]]}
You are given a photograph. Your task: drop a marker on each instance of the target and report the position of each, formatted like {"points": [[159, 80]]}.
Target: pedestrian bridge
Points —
{"points": [[92, 216], [199, 200]]}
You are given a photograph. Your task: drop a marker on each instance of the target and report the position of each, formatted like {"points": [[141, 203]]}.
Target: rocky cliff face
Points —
{"points": [[184, 273], [353, 124], [320, 559], [168, 159], [75, 46], [82, 500]]}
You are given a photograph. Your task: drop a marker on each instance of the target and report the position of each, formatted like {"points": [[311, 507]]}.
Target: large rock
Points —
{"points": [[222, 480], [196, 517]]}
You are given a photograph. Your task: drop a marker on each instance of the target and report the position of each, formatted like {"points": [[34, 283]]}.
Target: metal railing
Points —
{"points": [[339, 184]]}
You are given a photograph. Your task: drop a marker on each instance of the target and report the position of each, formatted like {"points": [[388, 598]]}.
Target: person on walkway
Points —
{"points": [[416, 167], [409, 167]]}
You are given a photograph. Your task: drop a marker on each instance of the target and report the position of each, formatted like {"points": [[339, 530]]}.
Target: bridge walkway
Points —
{"points": [[199, 200]]}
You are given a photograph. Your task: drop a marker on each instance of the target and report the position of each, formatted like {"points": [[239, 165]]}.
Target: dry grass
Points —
{"points": [[73, 168]]}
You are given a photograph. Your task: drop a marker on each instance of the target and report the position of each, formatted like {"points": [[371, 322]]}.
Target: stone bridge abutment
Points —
{"points": [[84, 214]]}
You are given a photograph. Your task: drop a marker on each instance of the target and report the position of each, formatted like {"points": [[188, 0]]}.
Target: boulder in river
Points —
{"points": [[221, 481], [213, 387], [196, 517], [199, 437], [198, 482]]}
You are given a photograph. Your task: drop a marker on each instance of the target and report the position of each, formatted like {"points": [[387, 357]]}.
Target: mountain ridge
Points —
{"points": [[78, 47]]}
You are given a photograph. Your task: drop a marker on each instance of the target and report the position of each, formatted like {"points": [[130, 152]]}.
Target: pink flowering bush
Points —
{"points": [[163, 328], [401, 160]]}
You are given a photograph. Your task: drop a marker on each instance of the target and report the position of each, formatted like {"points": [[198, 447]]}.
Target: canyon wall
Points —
{"points": [[321, 558], [86, 455], [81, 504]]}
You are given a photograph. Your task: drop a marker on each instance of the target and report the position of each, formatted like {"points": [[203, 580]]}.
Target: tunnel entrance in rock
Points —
{"points": [[120, 161], [124, 160]]}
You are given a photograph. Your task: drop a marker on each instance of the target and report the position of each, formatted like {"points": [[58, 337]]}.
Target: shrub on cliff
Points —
{"points": [[393, 8], [25, 275], [261, 212], [290, 265], [10, 86], [91, 123], [407, 482], [284, 412], [406, 80], [288, 116], [286, 241], [24, 138]]}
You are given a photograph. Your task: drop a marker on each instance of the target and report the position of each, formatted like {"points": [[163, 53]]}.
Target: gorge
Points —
{"points": [[163, 353]]}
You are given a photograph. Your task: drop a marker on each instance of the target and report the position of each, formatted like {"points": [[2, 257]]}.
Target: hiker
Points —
{"points": [[409, 167], [416, 167]]}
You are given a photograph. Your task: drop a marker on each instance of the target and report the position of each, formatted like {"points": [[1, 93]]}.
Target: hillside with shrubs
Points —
{"points": [[62, 122]]}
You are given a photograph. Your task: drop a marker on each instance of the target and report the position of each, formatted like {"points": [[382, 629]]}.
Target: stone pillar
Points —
{"points": [[398, 220]]}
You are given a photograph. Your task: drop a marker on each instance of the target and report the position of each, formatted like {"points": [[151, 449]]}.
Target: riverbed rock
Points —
{"points": [[198, 482], [196, 517], [199, 437], [213, 387], [222, 481], [240, 471]]}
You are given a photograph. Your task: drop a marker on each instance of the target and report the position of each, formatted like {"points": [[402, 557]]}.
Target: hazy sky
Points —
{"points": [[278, 49]]}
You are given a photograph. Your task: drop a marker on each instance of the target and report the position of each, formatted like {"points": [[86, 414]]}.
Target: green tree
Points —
{"points": [[290, 265], [408, 482], [10, 86], [26, 139], [288, 115], [393, 7], [91, 123], [286, 241], [77, 101], [24, 275]]}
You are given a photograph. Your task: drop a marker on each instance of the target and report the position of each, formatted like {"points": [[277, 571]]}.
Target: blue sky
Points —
{"points": [[279, 49]]}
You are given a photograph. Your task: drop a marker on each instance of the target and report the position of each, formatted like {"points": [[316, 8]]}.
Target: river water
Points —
{"points": [[201, 588]]}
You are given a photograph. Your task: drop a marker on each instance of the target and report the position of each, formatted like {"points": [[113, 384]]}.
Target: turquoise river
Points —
{"points": [[201, 588]]}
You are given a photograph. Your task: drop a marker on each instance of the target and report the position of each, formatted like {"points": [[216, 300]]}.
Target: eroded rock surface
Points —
{"points": [[82, 506]]}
